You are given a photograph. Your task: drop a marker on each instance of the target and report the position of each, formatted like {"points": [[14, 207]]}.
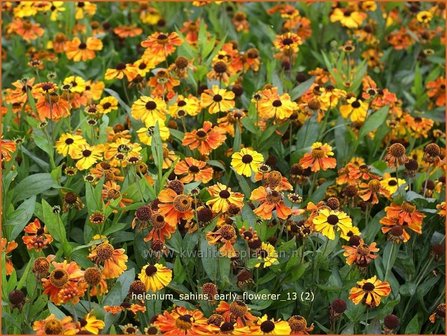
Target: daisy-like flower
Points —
{"points": [[7, 147], [391, 184], [127, 31], [396, 155], [269, 201], [191, 169], [266, 255], [288, 43], [65, 283], [91, 324], [175, 206], [77, 50], [406, 216], [161, 44], [298, 325], [36, 236], [271, 327], [274, 105], [121, 70], [436, 90], [113, 260], [181, 321], [320, 158], [217, 100], [222, 197], [84, 8], [149, 109], [86, 155], [369, 191], [205, 139], [155, 277], [7, 247], [185, 106], [54, 326], [236, 311], [348, 17], [246, 162], [145, 134], [330, 221], [225, 235], [52, 106], [370, 292], [361, 254], [28, 30], [161, 230], [107, 105], [355, 110]]}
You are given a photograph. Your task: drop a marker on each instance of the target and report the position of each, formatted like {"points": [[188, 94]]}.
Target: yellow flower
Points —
{"points": [[217, 100], [145, 133], [246, 162], [107, 105], [391, 184], [185, 106], [222, 197], [77, 83], [348, 18], [329, 221], [86, 155], [91, 324], [155, 277], [67, 143], [424, 16], [267, 255], [271, 327], [149, 109], [355, 110]]}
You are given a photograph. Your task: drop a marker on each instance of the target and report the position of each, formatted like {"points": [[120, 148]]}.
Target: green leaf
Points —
{"points": [[301, 89], [374, 121], [209, 255], [33, 185], [20, 217], [53, 223], [413, 327]]}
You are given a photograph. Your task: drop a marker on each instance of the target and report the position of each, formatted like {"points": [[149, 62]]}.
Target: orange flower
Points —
{"points": [[52, 107], [369, 191], [205, 139], [163, 84], [65, 283], [370, 292], [236, 311], [161, 230], [127, 31], [319, 158], [270, 200], [36, 236], [274, 105], [8, 247], [194, 170], [54, 326], [225, 235], [174, 206], [181, 321], [436, 91], [27, 30], [405, 215], [113, 260], [20, 92], [82, 51], [7, 147], [361, 254], [160, 44]]}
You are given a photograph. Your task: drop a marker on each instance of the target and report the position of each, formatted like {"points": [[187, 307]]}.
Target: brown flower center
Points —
{"points": [[151, 270], [59, 278], [182, 203], [53, 327], [332, 219], [368, 287]]}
